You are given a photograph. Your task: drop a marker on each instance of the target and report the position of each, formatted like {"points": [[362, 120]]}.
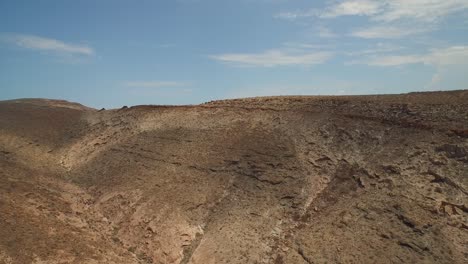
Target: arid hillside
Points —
{"points": [[352, 179]]}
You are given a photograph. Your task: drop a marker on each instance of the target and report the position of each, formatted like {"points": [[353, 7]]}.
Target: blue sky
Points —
{"points": [[109, 53]]}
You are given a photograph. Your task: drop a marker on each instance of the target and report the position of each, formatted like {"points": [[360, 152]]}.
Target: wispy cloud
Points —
{"points": [[303, 46], [378, 48], [435, 80], [293, 15], [273, 58], [455, 55], [165, 45], [325, 32], [426, 10], [344, 8], [46, 44], [384, 10], [390, 18], [154, 84], [388, 32], [354, 8]]}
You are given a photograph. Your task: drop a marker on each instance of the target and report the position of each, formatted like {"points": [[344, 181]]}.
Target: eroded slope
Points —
{"points": [[263, 180]]}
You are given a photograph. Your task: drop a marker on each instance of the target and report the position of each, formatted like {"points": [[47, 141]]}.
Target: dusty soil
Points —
{"points": [[357, 179]]}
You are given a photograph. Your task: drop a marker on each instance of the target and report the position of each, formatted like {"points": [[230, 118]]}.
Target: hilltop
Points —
{"points": [[290, 179]]}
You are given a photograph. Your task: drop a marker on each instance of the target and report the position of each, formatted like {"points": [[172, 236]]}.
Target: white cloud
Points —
{"points": [[378, 48], [356, 8], [47, 44], [426, 10], [448, 56], [435, 80], [392, 10], [297, 14], [325, 32], [155, 84], [387, 32], [394, 18], [456, 55], [402, 18], [394, 60], [301, 46], [272, 58]]}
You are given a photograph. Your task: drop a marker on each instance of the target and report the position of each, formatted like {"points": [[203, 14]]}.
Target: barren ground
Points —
{"points": [[357, 179]]}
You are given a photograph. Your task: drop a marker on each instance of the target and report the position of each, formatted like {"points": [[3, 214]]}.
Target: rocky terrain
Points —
{"points": [[351, 179]]}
